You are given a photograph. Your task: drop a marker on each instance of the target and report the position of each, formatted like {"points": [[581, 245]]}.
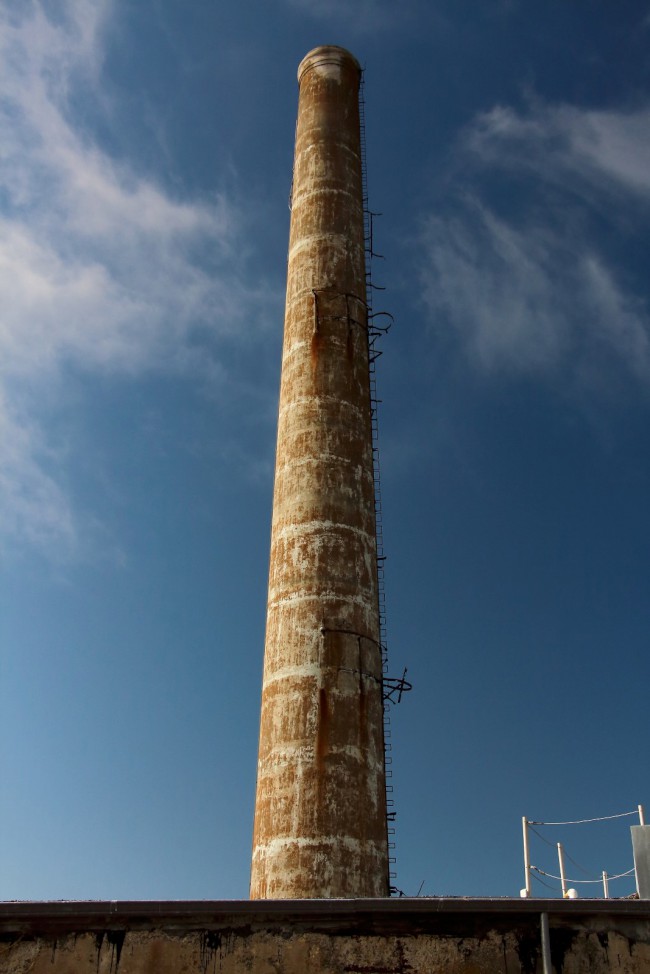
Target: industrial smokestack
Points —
{"points": [[320, 813]]}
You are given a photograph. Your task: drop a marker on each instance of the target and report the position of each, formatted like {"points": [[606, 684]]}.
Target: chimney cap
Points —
{"points": [[327, 57]]}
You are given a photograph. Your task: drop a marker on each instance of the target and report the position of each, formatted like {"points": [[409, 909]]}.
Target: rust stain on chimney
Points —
{"points": [[349, 345], [320, 815], [322, 746], [316, 342]]}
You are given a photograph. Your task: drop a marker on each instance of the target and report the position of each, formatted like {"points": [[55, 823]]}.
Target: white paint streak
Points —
{"points": [[327, 527]]}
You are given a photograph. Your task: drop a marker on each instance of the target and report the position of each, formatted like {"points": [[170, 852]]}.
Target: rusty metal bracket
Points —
{"points": [[347, 316], [394, 688]]}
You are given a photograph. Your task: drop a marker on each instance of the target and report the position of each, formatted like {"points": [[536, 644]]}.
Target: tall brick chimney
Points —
{"points": [[320, 814]]}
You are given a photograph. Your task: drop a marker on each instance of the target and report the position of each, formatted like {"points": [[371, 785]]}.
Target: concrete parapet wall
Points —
{"points": [[423, 936]]}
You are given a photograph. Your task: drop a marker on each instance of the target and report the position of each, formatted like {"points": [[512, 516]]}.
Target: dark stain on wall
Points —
{"points": [[115, 940], [209, 948], [527, 951], [561, 944]]}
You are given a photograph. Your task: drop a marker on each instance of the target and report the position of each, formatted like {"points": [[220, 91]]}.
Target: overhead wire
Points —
{"points": [[542, 837], [537, 872], [583, 821], [553, 845], [581, 881], [577, 864], [539, 880]]}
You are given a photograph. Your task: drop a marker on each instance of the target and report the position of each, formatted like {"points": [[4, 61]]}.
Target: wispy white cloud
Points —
{"points": [[35, 508], [534, 287], [99, 267], [528, 299], [610, 148]]}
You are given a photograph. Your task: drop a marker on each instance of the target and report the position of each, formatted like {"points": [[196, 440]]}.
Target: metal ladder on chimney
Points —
{"points": [[374, 333]]}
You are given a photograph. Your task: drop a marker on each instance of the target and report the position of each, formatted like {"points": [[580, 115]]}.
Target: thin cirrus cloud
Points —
{"points": [[610, 149], [99, 267], [536, 288]]}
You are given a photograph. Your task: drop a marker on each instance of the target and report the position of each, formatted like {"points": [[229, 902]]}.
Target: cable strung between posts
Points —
{"points": [[553, 845], [583, 881], [581, 868], [539, 835], [547, 885], [583, 821]]}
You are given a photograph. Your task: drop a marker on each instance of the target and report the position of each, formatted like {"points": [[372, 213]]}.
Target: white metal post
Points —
{"points": [[636, 875], [560, 855], [605, 886], [524, 823]]}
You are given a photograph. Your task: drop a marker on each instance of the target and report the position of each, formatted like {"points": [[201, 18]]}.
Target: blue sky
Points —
{"points": [[144, 177]]}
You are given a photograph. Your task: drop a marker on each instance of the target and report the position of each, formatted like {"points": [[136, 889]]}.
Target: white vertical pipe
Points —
{"points": [[524, 824], [641, 822], [560, 855], [636, 875], [605, 886], [546, 944]]}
